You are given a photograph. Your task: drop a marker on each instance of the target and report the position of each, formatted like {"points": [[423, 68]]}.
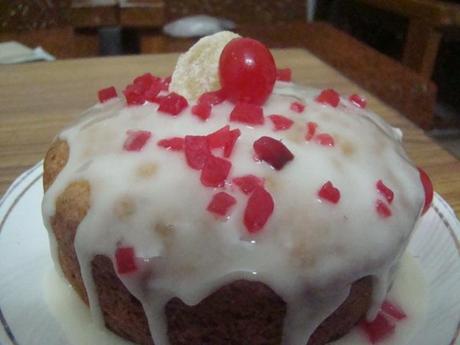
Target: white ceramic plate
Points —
{"points": [[25, 318]]}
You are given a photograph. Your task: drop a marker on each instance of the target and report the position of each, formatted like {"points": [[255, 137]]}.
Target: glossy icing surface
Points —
{"points": [[153, 201]]}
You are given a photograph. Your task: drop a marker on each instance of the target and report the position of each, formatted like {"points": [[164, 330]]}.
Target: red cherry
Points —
{"points": [[136, 140], [125, 260], [106, 94], [258, 210], [379, 329], [393, 310], [329, 193], [221, 203], [428, 188], [385, 191], [247, 71]]}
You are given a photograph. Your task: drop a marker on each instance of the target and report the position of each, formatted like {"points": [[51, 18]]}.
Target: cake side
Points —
{"points": [[240, 310]]}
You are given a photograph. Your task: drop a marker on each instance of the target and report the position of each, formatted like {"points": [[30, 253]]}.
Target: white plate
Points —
{"points": [[25, 318]]}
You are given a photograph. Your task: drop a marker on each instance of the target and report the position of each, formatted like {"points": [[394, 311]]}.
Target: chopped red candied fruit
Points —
{"points": [[173, 144], [219, 138], [382, 209], [297, 107], [125, 260], [215, 171], [358, 101], [393, 310], [196, 151], [379, 329], [228, 148], [202, 111], [248, 183], [328, 96], [165, 83], [283, 74], [106, 94], [324, 139], [329, 193], [247, 113], [311, 130], [258, 209], [212, 97], [280, 122], [221, 203], [247, 71], [134, 95], [273, 152], [151, 93], [385, 191], [428, 189], [136, 140], [146, 80], [173, 104]]}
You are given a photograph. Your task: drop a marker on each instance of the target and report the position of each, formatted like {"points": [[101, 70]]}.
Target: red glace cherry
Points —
{"points": [[247, 113], [221, 203], [273, 152], [428, 188], [247, 71], [311, 130], [197, 151], [324, 139], [358, 101], [202, 111], [173, 104], [136, 140], [106, 94], [297, 107], [258, 210], [212, 97], [393, 310], [382, 209], [125, 260], [329, 192]]}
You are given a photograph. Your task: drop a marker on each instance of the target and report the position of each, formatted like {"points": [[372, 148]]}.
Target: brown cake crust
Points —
{"points": [[242, 312]]}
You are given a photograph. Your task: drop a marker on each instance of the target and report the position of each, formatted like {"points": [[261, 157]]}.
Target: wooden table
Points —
{"points": [[37, 100]]}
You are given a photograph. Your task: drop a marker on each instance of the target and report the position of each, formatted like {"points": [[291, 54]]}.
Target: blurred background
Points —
{"points": [[422, 35]]}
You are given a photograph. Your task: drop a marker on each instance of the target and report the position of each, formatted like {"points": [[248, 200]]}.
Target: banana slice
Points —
{"points": [[197, 70]]}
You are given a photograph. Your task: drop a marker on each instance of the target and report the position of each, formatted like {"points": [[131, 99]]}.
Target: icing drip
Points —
{"points": [[309, 252]]}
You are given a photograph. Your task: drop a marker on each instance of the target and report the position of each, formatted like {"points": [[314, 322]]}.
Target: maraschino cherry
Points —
{"points": [[247, 71]]}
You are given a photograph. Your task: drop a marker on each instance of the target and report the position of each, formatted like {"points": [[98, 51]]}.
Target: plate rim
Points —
{"points": [[18, 182]]}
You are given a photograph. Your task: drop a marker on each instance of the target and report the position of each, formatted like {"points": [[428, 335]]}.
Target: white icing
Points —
{"points": [[308, 247], [408, 292]]}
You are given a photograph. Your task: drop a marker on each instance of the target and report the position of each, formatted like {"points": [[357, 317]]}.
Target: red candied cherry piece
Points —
{"points": [[379, 329], [382, 209], [134, 95], [324, 139], [125, 260], [280, 122], [311, 130], [248, 183], [173, 104], [221, 203], [215, 171], [233, 137], [297, 107], [385, 191], [258, 209], [212, 97], [136, 140], [283, 74], [392, 310], [273, 152], [358, 101], [329, 193], [219, 138], [151, 93], [202, 111], [173, 144], [165, 83], [428, 188], [247, 113], [328, 96], [247, 71], [105, 94], [196, 151], [146, 80]]}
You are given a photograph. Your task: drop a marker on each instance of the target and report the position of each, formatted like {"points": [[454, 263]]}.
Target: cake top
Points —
{"points": [[252, 177]]}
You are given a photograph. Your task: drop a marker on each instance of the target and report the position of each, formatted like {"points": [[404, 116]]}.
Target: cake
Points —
{"points": [[228, 205]]}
